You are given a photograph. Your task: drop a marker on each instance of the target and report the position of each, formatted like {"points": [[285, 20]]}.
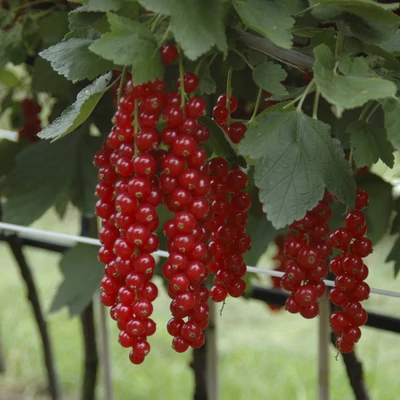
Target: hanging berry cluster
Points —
{"points": [[351, 272], [307, 248], [140, 168], [32, 125]]}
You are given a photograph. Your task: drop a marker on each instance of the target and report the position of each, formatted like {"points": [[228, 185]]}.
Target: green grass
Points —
{"points": [[263, 355]]}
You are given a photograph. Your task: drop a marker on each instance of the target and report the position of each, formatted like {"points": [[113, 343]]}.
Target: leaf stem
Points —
{"points": [[364, 111], [340, 40], [156, 21], [121, 84], [31, 4], [229, 92], [243, 58], [372, 112], [181, 79], [307, 9], [316, 102], [257, 105], [304, 95]]}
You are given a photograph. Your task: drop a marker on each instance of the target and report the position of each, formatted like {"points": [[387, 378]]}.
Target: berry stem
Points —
{"points": [[243, 58], [316, 103], [181, 78], [136, 124], [121, 84], [365, 111], [257, 105], [304, 95], [340, 40], [229, 92], [156, 21]]}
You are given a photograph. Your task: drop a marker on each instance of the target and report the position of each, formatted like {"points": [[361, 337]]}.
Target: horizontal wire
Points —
{"points": [[70, 240]]}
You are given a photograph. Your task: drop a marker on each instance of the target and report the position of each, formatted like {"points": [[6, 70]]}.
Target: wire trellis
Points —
{"points": [[66, 239]]}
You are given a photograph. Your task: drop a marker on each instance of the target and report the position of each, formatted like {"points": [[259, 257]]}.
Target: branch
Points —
{"points": [[89, 226], [91, 358], [199, 366], [16, 248], [265, 46], [355, 373]]}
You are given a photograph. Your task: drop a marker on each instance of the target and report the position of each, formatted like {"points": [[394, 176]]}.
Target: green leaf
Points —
{"points": [[12, 47], [75, 61], [346, 91], [43, 172], [218, 144], [392, 45], [130, 43], [369, 143], [297, 160], [356, 67], [8, 153], [394, 255], [79, 111], [45, 79], [268, 76], [380, 206], [87, 25], [53, 28], [207, 84], [270, 18], [8, 78], [103, 5], [82, 274], [196, 25], [391, 108], [84, 184], [382, 13]]}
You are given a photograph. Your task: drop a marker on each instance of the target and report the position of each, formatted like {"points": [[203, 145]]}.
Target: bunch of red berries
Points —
{"points": [[222, 111], [229, 241], [351, 272], [32, 124], [141, 168], [307, 248]]}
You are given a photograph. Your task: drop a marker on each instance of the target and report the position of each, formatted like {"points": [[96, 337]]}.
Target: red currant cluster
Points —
{"points": [[141, 168], [351, 273], [307, 248], [185, 184], [32, 125], [129, 193], [235, 130], [229, 204]]}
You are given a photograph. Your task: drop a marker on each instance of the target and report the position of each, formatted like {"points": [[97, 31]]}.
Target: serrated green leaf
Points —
{"points": [[346, 91], [75, 61], [394, 255], [12, 48], [82, 273], [391, 108], [370, 144], [297, 160], [130, 43], [268, 76], [78, 112], [380, 206], [43, 172], [270, 18], [196, 25], [207, 84], [87, 25], [382, 13]]}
